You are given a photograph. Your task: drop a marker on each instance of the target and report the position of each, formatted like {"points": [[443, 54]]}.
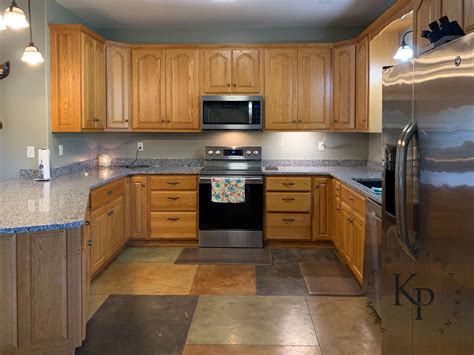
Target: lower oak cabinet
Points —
{"points": [[40, 292]]}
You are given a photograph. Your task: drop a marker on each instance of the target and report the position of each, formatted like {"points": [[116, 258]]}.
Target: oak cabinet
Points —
{"points": [[99, 236], [344, 87], [139, 207], [148, 89], [321, 211], [182, 89], [118, 86], [281, 74], [314, 88], [232, 71], [468, 16], [362, 85], [86, 248], [127, 208], [77, 63], [8, 293], [424, 12], [115, 238]]}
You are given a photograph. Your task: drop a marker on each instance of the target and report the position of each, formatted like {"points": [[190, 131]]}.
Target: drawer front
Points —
{"points": [[354, 200], [288, 201], [290, 226], [288, 184], [169, 225], [337, 188], [105, 194], [173, 182], [173, 200]]}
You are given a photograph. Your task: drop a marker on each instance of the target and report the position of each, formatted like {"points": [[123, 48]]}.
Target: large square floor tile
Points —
{"points": [[95, 301], [149, 255], [224, 280], [145, 279], [140, 325], [195, 349], [280, 279], [345, 325], [252, 320]]}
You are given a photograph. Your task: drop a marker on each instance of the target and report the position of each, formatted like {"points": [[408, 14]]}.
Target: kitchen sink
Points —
{"points": [[377, 183]]}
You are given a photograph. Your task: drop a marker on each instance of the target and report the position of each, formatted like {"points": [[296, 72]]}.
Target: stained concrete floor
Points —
{"points": [[144, 304]]}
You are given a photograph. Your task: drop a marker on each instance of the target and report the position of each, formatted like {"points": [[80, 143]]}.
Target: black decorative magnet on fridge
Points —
{"points": [[4, 70]]}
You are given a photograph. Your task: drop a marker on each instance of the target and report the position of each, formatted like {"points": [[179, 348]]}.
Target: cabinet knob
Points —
{"points": [[143, 185], [228, 85], [173, 183], [288, 183], [173, 198], [235, 85], [163, 121], [288, 199], [87, 223], [89, 243], [168, 121], [126, 120], [294, 121], [299, 121]]}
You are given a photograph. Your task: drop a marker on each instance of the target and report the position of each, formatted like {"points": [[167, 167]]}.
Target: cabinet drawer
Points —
{"points": [[105, 194], [173, 182], [173, 200], [293, 226], [288, 201], [354, 200], [288, 184], [337, 188], [169, 225]]}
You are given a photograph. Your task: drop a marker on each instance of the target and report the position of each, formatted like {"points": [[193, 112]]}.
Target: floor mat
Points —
{"points": [[330, 279], [217, 256]]}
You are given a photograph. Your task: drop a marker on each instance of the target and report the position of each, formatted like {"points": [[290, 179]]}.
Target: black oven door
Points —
{"points": [[231, 224]]}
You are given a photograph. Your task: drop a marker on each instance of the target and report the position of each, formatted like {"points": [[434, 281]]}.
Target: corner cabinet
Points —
{"points": [[344, 87], [77, 79]]}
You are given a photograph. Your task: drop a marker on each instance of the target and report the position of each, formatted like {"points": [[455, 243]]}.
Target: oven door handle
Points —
{"points": [[250, 180]]}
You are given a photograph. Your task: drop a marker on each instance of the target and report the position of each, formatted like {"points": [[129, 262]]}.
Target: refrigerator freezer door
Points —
{"points": [[442, 287]]}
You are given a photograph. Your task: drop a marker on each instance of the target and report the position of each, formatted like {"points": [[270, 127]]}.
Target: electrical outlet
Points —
{"points": [[61, 150], [30, 151], [140, 146], [321, 146]]}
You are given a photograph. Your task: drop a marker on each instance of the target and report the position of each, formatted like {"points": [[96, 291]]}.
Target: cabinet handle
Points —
{"points": [[89, 243], [173, 182], [143, 185], [294, 121], [288, 183], [168, 121], [316, 186], [288, 199], [335, 121], [228, 85], [109, 193], [299, 121], [174, 219], [173, 198], [110, 213], [338, 209], [350, 198], [163, 121], [234, 85], [96, 120], [288, 219], [87, 223], [126, 120]]}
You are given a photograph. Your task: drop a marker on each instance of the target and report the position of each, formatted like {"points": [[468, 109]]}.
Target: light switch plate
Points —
{"points": [[61, 150], [30, 151], [321, 146], [140, 146]]}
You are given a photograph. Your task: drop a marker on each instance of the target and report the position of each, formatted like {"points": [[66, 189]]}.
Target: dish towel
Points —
{"points": [[227, 190]]}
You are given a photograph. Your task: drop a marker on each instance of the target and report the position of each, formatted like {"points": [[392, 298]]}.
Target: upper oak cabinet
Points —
{"points": [[148, 89], [77, 79], [232, 71], [362, 84], [118, 86], [344, 87]]}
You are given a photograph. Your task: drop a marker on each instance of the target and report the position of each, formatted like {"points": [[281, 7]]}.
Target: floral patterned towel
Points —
{"points": [[227, 190]]}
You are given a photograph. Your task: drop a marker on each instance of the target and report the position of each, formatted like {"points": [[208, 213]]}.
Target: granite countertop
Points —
{"points": [[29, 206]]}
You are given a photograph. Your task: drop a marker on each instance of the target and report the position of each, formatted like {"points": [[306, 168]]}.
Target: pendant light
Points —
{"points": [[14, 17], [31, 54], [404, 52], [3, 26]]}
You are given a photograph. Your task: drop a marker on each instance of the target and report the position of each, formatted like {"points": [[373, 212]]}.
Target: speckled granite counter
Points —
{"points": [[29, 206]]}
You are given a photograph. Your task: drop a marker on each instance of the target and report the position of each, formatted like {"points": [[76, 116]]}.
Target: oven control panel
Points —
{"points": [[233, 153]]}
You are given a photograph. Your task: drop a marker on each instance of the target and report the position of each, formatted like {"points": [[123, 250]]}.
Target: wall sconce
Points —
{"points": [[404, 52]]}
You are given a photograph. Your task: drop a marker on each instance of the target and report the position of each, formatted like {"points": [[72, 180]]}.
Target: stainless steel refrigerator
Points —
{"points": [[428, 203]]}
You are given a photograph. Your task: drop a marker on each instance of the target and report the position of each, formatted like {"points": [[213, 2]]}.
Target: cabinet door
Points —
{"points": [[99, 85], [321, 209], [88, 55], [86, 270], [8, 300], [346, 234], [454, 9], [280, 88], [118, 87], [358, 239], [246, 75], [424, 12], [182, 89], [127, 208], [468, 20], [314, 88], [337, 238], [362, 84], [344, 87], [217, 71], [99, 237], [49, 291], [115, 238], [139, 193], [148, 89]]}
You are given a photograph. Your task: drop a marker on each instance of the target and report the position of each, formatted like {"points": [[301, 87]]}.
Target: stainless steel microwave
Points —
{"points": [[231, 112]]}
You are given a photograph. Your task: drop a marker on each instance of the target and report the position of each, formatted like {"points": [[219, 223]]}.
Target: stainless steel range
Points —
{"points": [[233, 225]]}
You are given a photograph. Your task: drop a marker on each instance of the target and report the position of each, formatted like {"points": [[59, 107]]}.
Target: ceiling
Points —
{"points": [[229, 13]]}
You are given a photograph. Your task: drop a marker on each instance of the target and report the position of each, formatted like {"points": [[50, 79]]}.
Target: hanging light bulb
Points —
{"points": [[404, 52], [3, 26], [31, 54], [14, 17]]}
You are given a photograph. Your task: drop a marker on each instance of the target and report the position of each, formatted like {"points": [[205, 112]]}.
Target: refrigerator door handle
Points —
{"points": [[400, 189]]}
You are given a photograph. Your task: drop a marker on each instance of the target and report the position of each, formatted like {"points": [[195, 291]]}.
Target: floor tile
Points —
{"points": [[344, 325], [197, 349], [286, 256], [252, 320], [224, 280], [280, 279], [149, 255], [95, 301], [140, 325], [145, 279]]}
